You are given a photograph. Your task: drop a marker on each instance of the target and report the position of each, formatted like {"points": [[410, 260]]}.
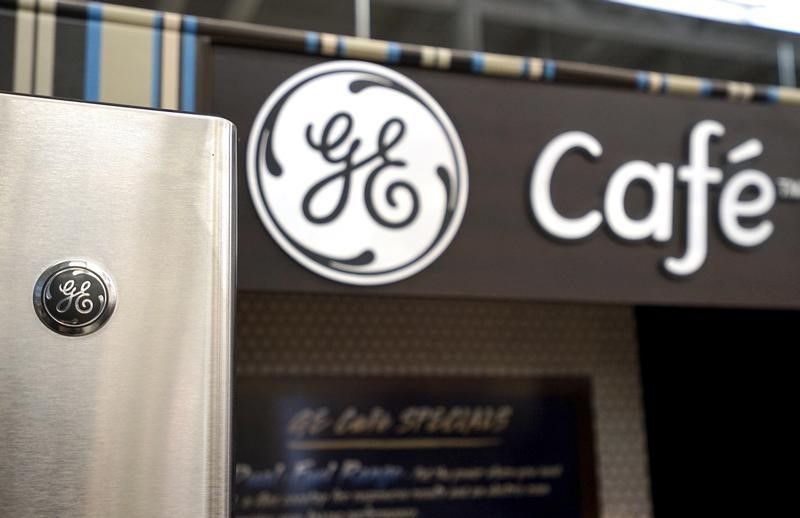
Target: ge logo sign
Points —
{"points": [[357, 173]]}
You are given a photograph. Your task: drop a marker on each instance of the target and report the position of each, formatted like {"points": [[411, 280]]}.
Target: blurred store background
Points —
{"points": [[715, 380], [741, 40]]}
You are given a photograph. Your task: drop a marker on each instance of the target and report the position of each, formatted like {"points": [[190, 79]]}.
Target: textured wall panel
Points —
{"points": [[353, 336]]}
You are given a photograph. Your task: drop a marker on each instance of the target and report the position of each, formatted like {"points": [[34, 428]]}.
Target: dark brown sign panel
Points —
{"points": [[416, 447], [575, 193]]}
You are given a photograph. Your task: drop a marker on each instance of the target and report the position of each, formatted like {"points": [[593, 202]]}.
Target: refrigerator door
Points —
{"points": [[117, 233]]}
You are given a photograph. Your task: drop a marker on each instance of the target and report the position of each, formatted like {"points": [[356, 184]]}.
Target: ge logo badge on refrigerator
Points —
{"points": [[74, 298], [357, 172]]}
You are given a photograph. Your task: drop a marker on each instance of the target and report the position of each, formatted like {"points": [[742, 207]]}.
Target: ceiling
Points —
{"points": [[594, 31]]}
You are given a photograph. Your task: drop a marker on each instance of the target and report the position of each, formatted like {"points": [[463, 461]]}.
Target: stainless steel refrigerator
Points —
{"points": [[117, 234]]}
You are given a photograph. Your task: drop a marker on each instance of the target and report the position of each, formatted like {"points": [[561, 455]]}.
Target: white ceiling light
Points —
{"points": [[782, 15]]}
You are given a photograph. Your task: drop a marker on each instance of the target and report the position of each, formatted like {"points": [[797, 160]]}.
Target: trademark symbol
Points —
{"points": [[788, 188]]}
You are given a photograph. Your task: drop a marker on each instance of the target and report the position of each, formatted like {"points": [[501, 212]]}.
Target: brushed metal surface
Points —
{"points": [[134, 419]]}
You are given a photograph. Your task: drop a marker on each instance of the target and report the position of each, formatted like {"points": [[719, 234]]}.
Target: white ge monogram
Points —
{"points": [[81, 299], [357, 172]]}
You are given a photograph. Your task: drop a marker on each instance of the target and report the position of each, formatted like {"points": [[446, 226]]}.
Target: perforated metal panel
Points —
{"points": [[354, 336]]}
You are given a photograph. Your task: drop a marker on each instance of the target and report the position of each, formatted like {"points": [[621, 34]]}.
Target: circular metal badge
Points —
{"points": [[74, 298]]}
